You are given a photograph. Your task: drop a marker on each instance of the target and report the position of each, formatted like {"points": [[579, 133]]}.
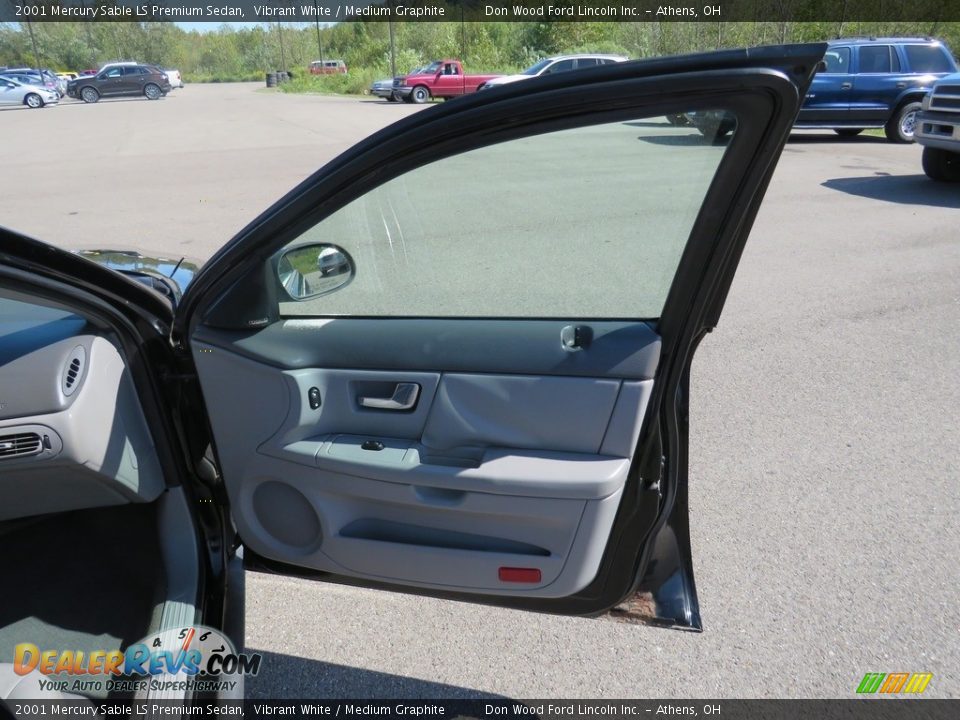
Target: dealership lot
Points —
{"points": [[824, 431]]}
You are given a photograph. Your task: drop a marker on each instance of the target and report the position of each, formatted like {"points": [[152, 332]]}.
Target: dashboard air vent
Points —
{"points": [[73, 370], [20, 445]]}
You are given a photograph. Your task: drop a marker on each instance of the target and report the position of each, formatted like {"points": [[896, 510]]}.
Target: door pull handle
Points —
{"points": [[404, 398]]}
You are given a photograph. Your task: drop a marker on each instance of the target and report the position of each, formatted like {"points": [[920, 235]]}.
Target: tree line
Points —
{"points": [[229, 53]]}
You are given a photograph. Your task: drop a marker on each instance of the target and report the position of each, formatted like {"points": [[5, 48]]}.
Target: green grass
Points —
{"points": [[356, 82], [209, 78]]}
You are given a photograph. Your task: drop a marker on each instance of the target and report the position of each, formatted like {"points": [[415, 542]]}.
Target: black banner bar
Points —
{"points": [[219, 11]]}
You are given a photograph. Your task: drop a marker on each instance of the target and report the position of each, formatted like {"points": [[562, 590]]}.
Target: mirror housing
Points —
{"points": [[313, 270]]}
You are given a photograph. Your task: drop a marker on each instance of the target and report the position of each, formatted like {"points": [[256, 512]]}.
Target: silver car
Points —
{"points": [[553, 65], [384, 89], [14, 92]]}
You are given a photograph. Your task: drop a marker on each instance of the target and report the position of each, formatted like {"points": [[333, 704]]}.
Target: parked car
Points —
{"points": [[176, 81], [874, 83], [383, 89], [555, 64], [49, 75], [39, 78], [938, 130], [67, 76], [328, 67], [440, 79], [117, 80], [13, 92], [865, 83], [428, 423]]}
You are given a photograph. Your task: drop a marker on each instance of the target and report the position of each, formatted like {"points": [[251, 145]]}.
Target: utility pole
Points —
{"points": [[283, 58], [316, 4], [33, 41], [393, 52]]}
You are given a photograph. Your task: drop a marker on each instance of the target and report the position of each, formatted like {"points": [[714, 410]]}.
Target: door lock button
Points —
{"points": [[313, 397], [372, 445]]}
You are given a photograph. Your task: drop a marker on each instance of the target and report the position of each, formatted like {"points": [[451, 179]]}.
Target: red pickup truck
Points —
{"points": [[441, 79]]}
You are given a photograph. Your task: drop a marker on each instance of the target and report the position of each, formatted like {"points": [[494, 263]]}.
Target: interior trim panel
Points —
{"points": [[614, 349], [478, 470], [95, 447]]}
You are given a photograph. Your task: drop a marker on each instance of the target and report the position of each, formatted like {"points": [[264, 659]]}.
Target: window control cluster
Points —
{"points": [[371, 445]]}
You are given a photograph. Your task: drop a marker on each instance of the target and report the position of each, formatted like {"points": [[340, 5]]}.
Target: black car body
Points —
{"points": [[121, 81], [220, 419]]}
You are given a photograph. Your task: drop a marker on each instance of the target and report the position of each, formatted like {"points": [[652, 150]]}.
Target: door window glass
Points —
{"points": [[837, 60], [562, 66], [928, 59], [875, 59], [588, 222]]}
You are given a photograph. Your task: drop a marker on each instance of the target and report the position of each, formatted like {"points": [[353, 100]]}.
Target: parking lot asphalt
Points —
{"points": [[825, 443]]}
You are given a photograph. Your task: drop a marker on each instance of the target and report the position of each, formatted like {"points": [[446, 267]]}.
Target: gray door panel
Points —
{"points": [[488, 470], [520, 411], [617, 349]]}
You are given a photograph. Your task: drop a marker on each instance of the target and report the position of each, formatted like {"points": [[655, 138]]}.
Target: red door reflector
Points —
{"points": [[519, 575]]}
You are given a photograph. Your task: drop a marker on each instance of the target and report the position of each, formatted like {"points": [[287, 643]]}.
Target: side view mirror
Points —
{"points": [[313, 270]]}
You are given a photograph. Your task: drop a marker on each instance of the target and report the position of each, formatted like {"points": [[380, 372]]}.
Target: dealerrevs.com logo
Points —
{"points": [[194, 658]]}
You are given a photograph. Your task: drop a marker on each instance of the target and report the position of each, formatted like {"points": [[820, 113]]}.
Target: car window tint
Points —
{"points": [[837, 60], [586, 62], [115, 72], [927, 59], [562, 66], [875, 59], [587, 222]]}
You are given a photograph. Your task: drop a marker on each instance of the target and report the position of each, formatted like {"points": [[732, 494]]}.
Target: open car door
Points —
{"points": [[455, 360]]}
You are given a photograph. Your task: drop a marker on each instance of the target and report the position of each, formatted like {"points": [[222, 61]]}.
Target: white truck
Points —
{"points": [[176, 81], [938, 130]]}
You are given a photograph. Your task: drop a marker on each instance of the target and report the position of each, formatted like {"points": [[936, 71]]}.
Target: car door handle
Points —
{"points": [[901, 85], [404, 398], [846, 86]]}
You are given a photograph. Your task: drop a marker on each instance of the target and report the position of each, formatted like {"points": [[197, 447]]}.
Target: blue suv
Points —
{"points": [[864, 83], [874, 83]]}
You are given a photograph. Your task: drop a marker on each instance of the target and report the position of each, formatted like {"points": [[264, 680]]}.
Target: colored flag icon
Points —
{"points": [[894, 683]]}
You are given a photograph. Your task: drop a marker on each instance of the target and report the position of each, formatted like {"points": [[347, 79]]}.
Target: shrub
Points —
{"points": [[355, 82]]}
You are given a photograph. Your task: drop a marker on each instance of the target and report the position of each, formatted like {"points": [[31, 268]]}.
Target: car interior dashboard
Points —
{"points": [[72, 432]]}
